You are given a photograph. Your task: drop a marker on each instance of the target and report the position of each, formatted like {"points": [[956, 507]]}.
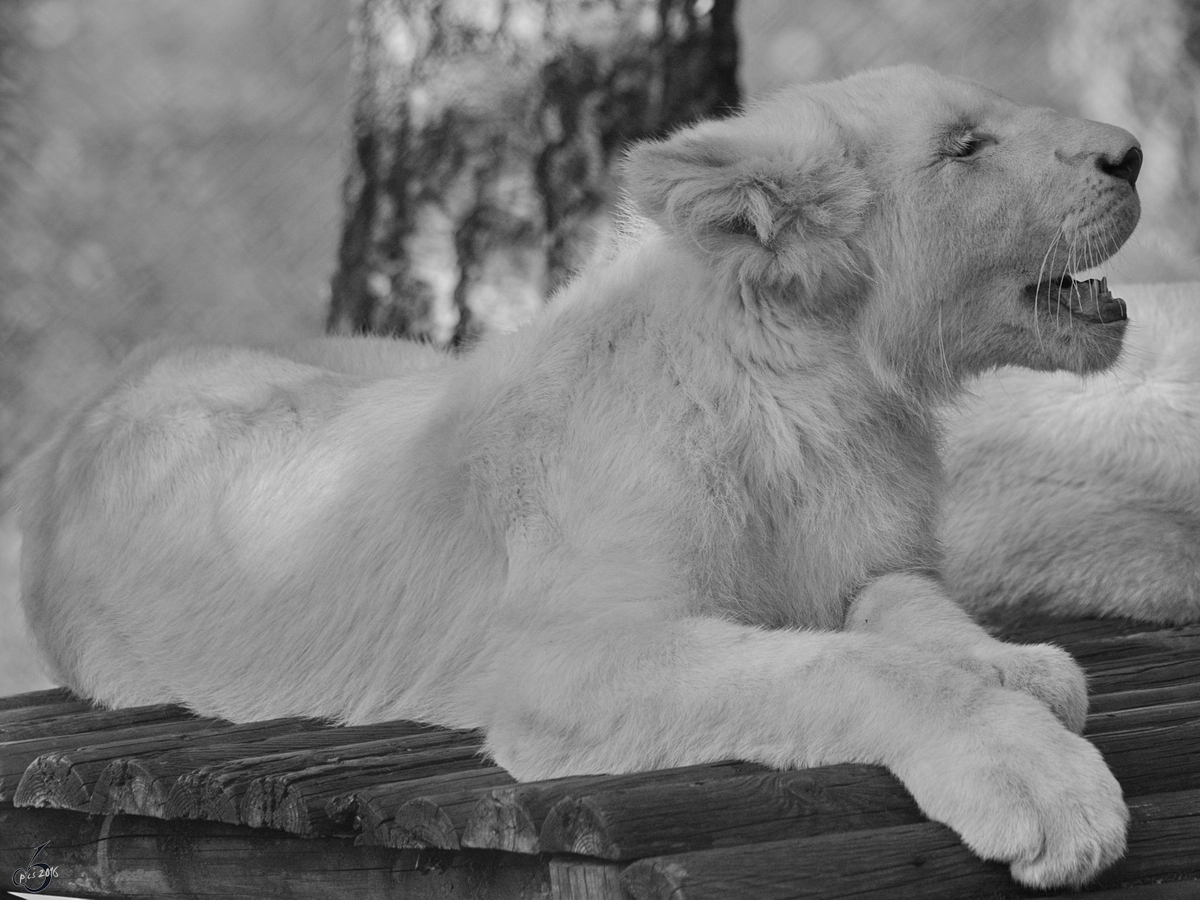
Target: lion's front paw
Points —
{"points": [[1023, 790], [1045, 672], [1081, 820]]}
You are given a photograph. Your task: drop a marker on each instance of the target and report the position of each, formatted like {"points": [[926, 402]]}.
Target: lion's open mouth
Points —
{"points": [[1089, 300]]}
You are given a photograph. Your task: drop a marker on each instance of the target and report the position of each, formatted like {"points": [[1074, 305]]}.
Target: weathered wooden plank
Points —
{"points": [[905, 862], [574, 879], [297, 802], [1104, 642], [133, 856], [1144, 698], [1027, 628], [1172, 643], [1157, 890], [35, 698], [73, 724], [1153, 759], [65, 779], [47, 698], [424, 812], [654, 819], [179, 780], [1136, 717], [78, 762], [511, 818], [1142, 672], [215, 792], [55, 734], [17, 756], [140, 782], [1033, 629]]}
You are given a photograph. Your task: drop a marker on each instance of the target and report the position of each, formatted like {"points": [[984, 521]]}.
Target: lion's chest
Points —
{"points": [[808, 540], [715, 505]]}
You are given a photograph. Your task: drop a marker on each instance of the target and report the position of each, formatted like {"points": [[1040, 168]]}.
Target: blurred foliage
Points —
{"points": [[1002, 43], [169, 168]]}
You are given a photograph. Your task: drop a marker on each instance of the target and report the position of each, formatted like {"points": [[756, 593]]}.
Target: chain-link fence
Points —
{"points": [[175, 167]]}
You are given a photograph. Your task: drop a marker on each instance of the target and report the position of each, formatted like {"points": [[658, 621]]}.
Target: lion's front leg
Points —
{"points": [[917, 610], [629, 692]]}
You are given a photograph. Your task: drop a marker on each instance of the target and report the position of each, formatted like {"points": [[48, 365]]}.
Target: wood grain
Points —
{"points": [[654, 819], [133, 856], [298, 802], [140, 782], [424, 812], [906, 862], [511, 818], [60, 770], [215, 792]]}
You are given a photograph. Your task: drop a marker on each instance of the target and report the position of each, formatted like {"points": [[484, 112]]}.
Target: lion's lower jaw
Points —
{"points": [[1074, 348], [1084, 351]]}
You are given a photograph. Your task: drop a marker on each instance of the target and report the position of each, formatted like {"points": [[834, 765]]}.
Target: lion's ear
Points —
{"points": [[781, 200]]}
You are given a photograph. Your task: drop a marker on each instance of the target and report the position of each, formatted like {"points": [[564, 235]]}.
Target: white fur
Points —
{"points": [[1078, 495], [681, 517]]}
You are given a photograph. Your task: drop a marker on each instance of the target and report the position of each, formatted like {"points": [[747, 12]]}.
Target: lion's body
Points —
{"points": [[1078, 495], [687, 515], [614, 452]]}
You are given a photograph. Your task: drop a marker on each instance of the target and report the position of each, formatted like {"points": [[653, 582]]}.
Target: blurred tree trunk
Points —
{"points": [[485, 133]]}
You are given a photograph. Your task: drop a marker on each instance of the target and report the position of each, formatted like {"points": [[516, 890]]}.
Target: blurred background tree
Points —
{"points": [[484, 137], [179, 167]]}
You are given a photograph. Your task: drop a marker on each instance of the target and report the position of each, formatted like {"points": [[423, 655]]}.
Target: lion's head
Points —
{"points": [[937, 221]]}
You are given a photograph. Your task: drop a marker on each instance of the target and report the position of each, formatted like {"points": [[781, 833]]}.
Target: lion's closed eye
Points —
{"points": [[965, 142]]}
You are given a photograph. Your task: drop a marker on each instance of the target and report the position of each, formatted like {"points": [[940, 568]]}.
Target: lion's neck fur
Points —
{"points": [[722, 335], [839, 466]]}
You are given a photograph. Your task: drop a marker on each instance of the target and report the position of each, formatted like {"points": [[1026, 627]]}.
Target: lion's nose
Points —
{"points": [[1126, 168]]}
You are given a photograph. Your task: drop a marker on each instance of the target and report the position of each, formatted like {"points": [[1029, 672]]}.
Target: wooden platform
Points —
{"points": [[155, 802]]}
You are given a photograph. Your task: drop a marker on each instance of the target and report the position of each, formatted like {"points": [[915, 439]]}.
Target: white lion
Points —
{"points": [[1079, 495], [689, 514]]}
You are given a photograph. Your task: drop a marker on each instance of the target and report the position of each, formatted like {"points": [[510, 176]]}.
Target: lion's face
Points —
{"points": [[1000, 206], [939, 221]]}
